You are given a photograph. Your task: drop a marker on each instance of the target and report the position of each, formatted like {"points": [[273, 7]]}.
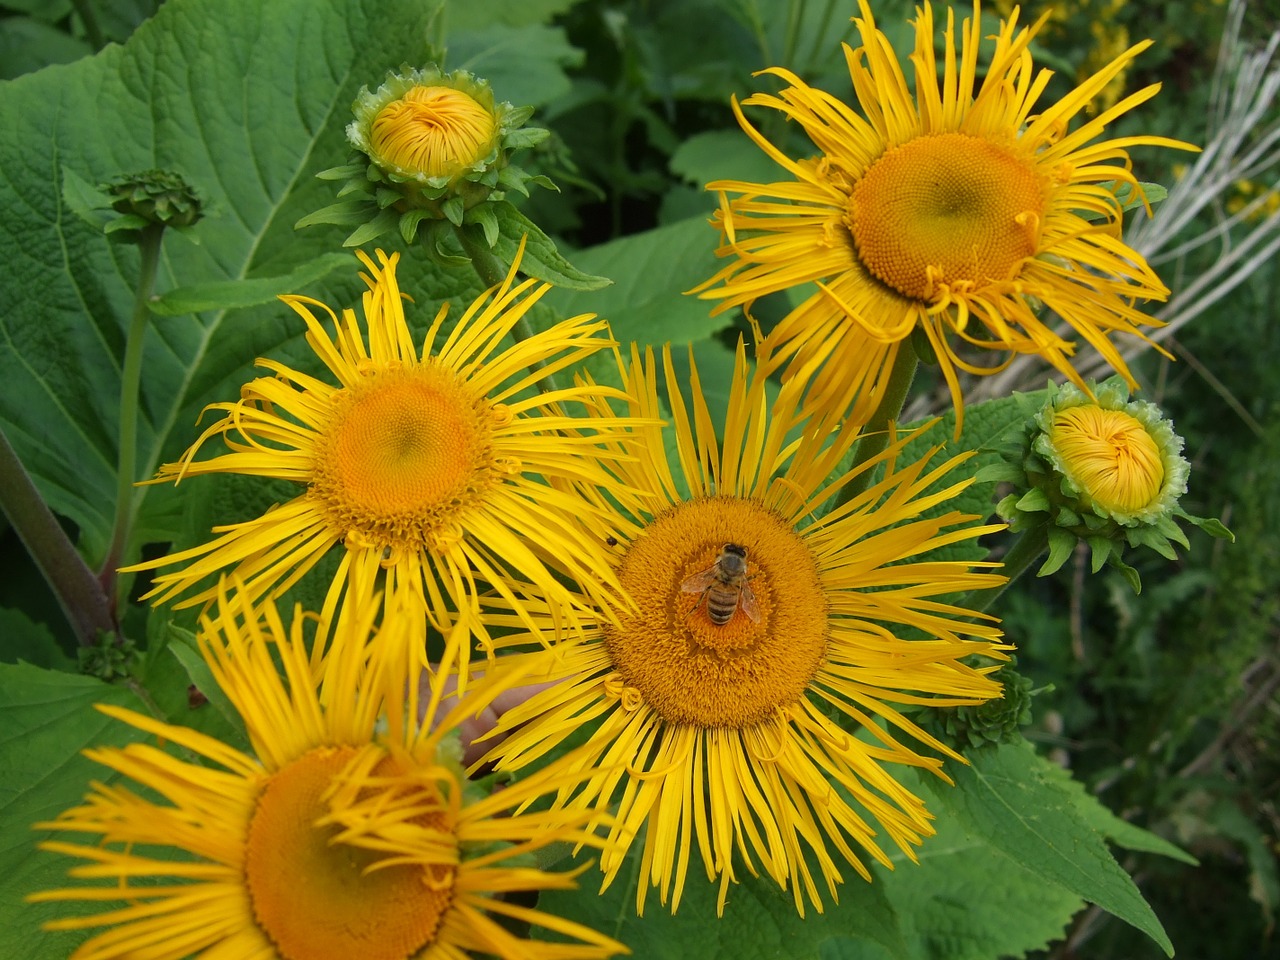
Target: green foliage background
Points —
{"points": [[1163, 707]]}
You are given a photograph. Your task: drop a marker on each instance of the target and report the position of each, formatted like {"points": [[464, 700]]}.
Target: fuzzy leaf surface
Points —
{"points": [[1008, 799], [47, 718]]}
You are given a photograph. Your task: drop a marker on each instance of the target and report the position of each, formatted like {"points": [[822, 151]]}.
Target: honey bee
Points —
{"points": [[724, 587]]}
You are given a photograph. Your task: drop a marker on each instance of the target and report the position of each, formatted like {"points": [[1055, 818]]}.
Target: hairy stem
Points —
{"points": [[885, 416], [492, 274], [79, 593]]}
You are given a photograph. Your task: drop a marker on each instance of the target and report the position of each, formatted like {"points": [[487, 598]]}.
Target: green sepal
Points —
{"points": [[999, 472], [1129, 573], [1061, 546], [1034, 501], [345, 213], [384, 222], [344, 172], [1210, 525], [1099, 552], [541, 258], [90, 202], [1150, 537], [125, 222], [484, 216], [453, 209]]}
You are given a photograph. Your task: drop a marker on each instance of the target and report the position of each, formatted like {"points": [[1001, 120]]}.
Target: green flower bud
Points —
{"points": [[151, 197], [998, 720], [433, 146], [1101, 469]]}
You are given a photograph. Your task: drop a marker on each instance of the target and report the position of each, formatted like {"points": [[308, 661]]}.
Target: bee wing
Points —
{"points": [[747, 603], [699, 581]]}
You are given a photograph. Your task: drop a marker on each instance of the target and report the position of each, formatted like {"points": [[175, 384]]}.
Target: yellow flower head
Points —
{"points": [[423, 461], [756, 622], [435, 130], [348, 833], [959, 209]]}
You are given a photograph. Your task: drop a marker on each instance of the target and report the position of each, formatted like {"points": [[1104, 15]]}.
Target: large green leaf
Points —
{"points": [[941, 917], [760, 920], [1009, 798], [47, 718], [651, 271], [247, 102]]}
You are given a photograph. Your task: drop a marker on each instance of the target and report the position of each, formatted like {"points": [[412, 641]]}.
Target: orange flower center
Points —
{"points": [[435, 131], [946, 212], [712, 643], [406, 451], [1110, 456], [318, 899]]}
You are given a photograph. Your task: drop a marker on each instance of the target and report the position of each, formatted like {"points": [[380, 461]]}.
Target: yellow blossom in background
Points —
{"points": [[756, 621], [423, 461], [348, 833], [961, 208]]}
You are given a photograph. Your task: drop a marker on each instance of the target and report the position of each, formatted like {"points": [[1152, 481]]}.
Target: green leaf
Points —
{"points": [[182, 647], [760, 919], [246, 106], [724, 155], [1009, 800], [29, 641], [651, 271], [1061, 546], [941, 917], [27, 44], [1120, 832], [231, 294], [462, 15], [525, 65], [541, 258], [47, 718]]}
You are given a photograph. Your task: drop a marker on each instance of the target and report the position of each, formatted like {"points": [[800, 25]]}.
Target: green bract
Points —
{"points": [[1049, 495]]}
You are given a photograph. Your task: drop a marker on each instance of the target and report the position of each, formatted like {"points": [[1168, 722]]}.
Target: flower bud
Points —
{"points": [[1094, 466], [151, 197], [433, 146]]}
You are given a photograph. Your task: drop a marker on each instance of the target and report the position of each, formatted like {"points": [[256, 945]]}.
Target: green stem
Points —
{"points": [[492, 274], [130, 380], [1026, 550], [885, 415], [83, 601], [85, 11]]}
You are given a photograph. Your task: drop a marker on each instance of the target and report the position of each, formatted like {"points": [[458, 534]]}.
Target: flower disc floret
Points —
{"points": [[692, 670]]}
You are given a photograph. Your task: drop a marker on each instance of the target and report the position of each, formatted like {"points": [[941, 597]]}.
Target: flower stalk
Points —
{"points": [[492, 273], [882, 420], [130, 379]]}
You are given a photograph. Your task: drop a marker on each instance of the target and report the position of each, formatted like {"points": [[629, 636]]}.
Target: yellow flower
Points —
{"points": [[712, 705], [1109, 454], [424, 461], [348, 833], [435, 130], [961, 210]]}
